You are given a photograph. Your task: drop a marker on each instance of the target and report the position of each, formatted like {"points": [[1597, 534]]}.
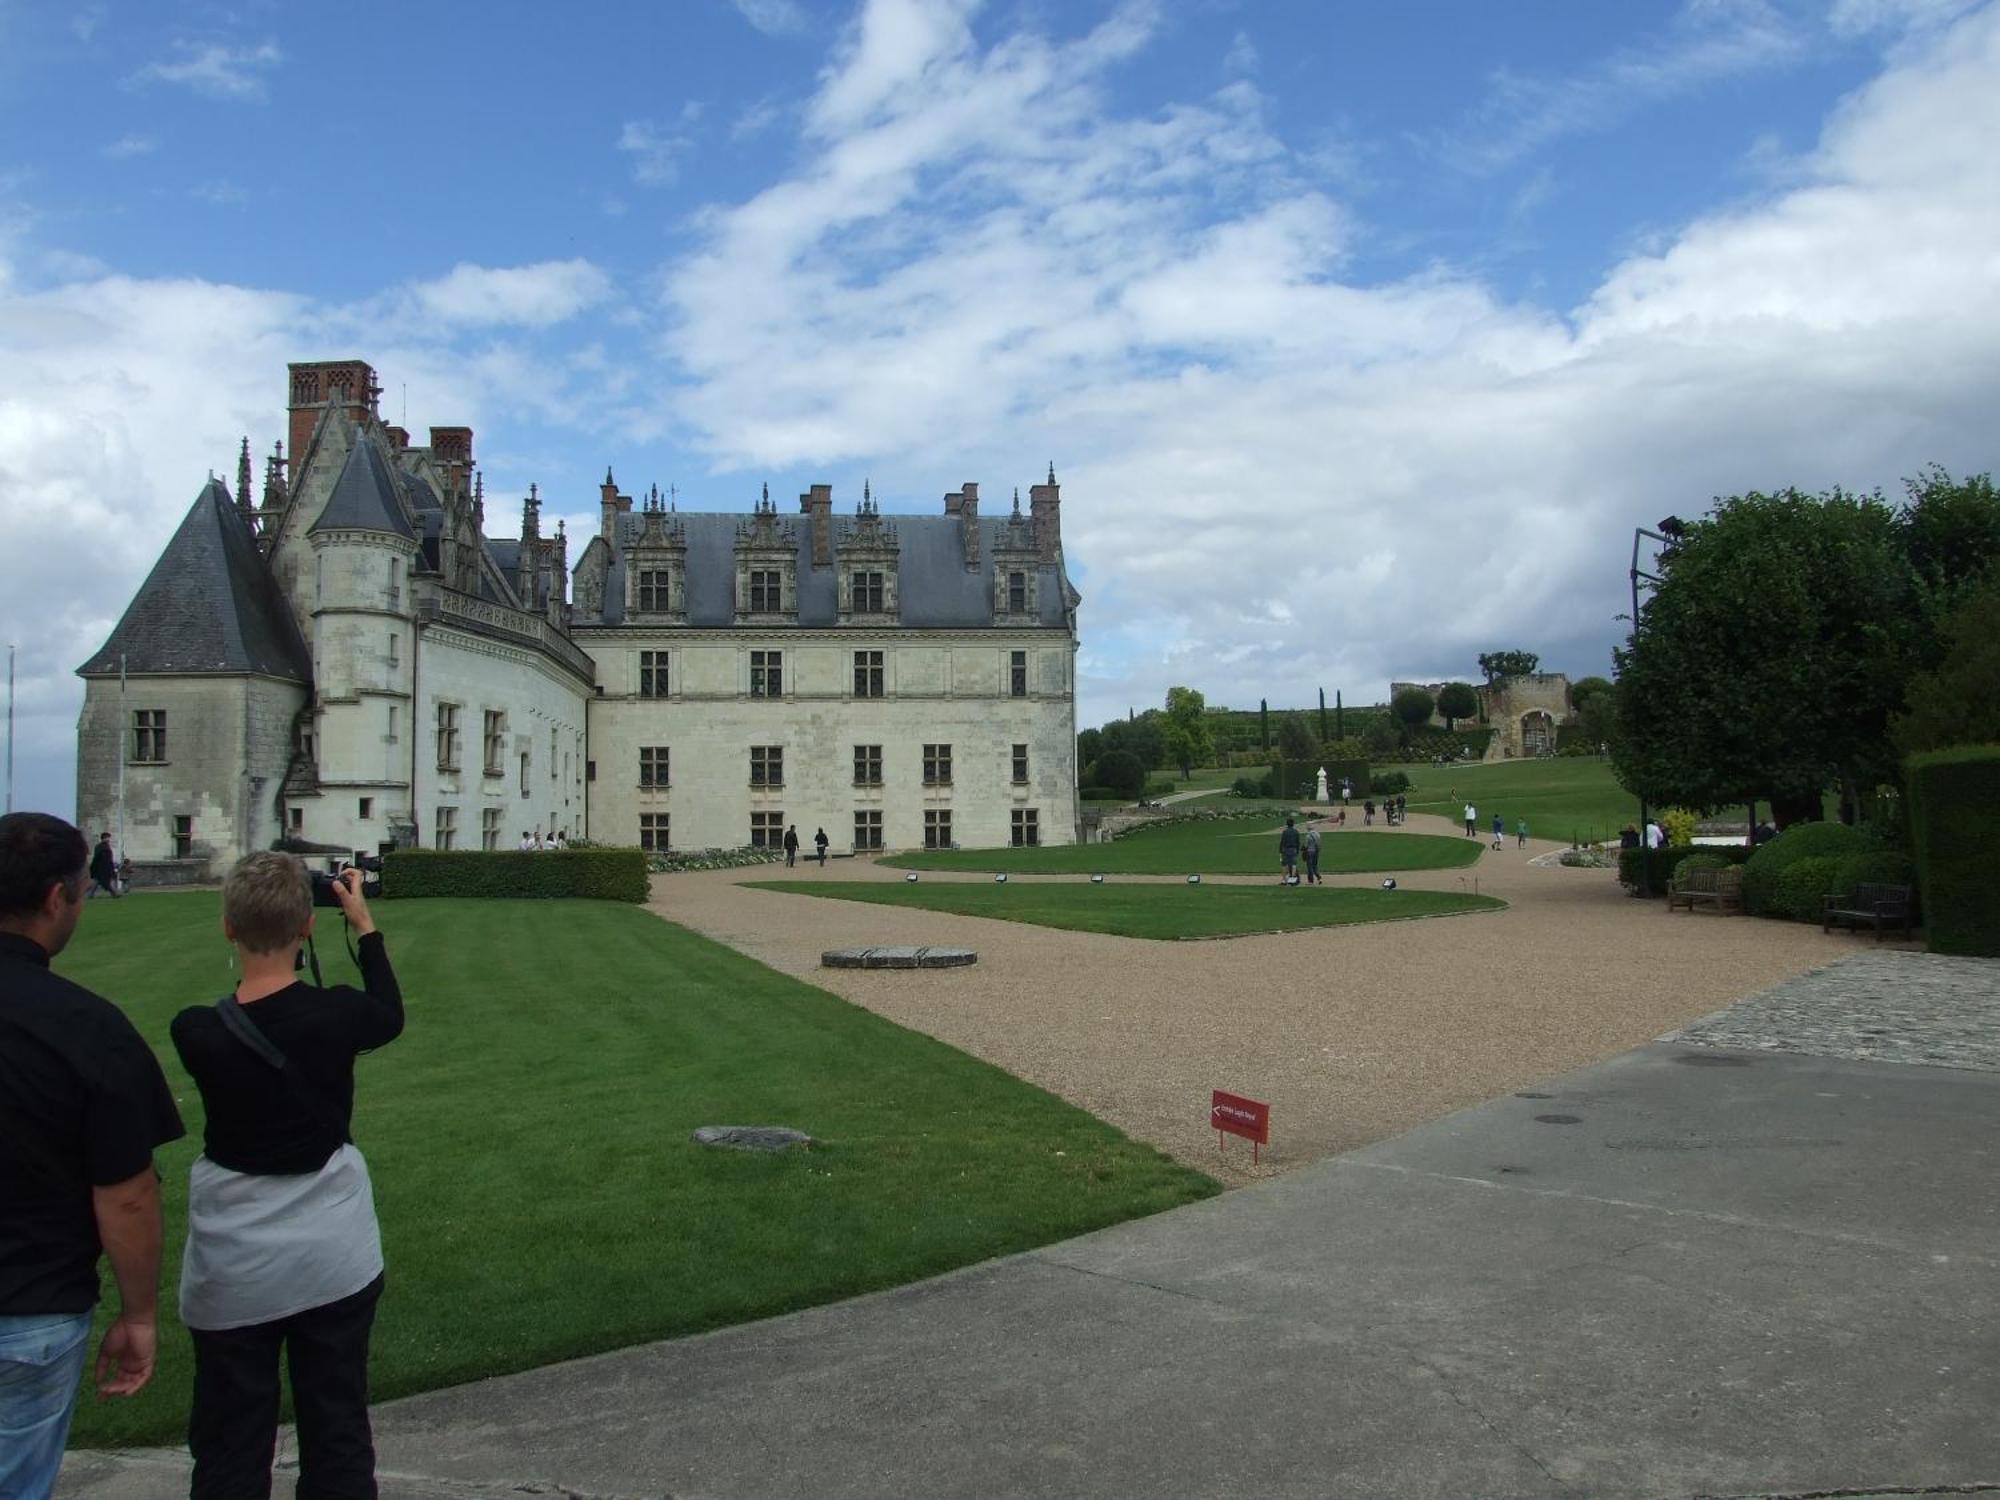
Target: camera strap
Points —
{"points": [[246, 1031]]}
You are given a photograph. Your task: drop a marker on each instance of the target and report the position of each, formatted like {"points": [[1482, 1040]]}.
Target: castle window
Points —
{"points": [[652, 674], [937, 765], [489, 828], [766, 591], [653, 765], [767, 765], [1017, 673], [184, 836], [447, 829], [297, 821], [655, 591], [496, 735], [447, 737], [868, 674], [395, 648], [767, 674], [149, 736], [367, 805], [870, 592], [653, 829], [1027, 828], [524, 773], [395, 583], [391, 736], [937, 828], [767, 830], [867, 828], [1017, 593], [867, 765], [1020, 764]]}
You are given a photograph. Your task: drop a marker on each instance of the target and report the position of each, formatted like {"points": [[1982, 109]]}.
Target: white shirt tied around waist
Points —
{"points": [[261, 1248]]}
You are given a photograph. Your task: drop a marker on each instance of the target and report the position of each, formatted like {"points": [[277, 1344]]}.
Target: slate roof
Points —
{"points": [[933, 586], [209, 605], [366, 497]]}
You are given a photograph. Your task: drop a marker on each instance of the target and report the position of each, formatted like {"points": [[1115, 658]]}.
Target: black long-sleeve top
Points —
{"points": [[257, 1122]]}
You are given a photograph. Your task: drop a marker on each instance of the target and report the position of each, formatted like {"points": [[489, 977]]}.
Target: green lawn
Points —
{"points": [[1566, 798], [1247, 846], [528, 1136], [1152, 911]]}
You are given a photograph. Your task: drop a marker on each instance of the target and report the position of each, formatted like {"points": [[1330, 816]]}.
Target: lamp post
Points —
{"points": [[1669, 533]]}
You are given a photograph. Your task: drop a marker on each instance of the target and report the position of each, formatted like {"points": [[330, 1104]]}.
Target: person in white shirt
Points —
{"points": [[1471, 819]]}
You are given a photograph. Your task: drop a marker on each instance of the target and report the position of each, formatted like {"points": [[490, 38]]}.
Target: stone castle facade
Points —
{"points": [[348, 661], [1524, 712]]}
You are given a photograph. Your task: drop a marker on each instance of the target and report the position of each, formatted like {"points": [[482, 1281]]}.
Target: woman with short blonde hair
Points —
{"points": [[283, 1250]]}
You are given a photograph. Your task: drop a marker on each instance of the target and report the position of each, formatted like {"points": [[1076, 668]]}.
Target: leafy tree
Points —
{"points": [[1585, 688], [1950, 531], [1187, 741], [1412, 707], [1141, 736], [1770, 656], [1379, 736], [1456, 700], [1119, 771], [1295, 741], [1089, 745], [1501, 665], [1958, 702]]}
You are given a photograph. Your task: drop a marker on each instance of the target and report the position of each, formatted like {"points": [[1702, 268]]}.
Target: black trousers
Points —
{"points": [[233, 1430]]}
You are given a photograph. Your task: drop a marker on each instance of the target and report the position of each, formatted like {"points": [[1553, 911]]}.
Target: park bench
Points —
{"points": [[1877, 905], [1721, 889]]}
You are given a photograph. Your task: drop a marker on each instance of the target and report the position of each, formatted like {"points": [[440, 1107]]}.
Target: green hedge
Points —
{"points": [[597, 874], [1663, 862], [1802, 887], [1954, 810], [1800, 841]]}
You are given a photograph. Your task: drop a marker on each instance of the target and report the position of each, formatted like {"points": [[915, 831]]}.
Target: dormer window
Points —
{"points": [[1017, 593], [655, 590], [870, 591], [766, 591]]}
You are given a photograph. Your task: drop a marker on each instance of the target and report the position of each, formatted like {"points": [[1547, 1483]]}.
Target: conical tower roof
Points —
{"points": [[364, 497]]}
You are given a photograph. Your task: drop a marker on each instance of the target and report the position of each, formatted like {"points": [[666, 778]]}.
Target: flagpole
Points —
{"points": [[10, 726]]}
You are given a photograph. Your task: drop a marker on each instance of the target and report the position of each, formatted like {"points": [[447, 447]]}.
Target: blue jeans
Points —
{"points": [[41, 1365]]}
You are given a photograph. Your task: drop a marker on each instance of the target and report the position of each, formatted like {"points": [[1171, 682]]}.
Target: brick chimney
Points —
{"points": [[968, 524], [451, 447], [611, 505], [1045, 507], [316, 385], [817, 504], [399, 437]]}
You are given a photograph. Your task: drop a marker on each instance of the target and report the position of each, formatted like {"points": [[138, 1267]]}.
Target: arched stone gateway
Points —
{"points": [[1538, 733]]}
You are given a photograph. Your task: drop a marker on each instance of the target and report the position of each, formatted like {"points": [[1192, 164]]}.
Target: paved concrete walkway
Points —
{"points": [[1692, 1270]]}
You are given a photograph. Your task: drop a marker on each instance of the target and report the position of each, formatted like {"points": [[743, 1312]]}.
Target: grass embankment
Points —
{"points": [[1568, 798], [1215, 847], [528, 1136], [1152, 911]]}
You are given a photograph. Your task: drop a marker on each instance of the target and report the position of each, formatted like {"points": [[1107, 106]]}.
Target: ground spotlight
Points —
{"points": [[1000, 879], [1097, 880], [911, 877], [1194, 880], [1389, 884]]}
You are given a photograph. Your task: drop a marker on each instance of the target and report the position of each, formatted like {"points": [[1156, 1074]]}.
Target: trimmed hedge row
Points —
{"points": [[1661, 863], [1765, 891], [595, 874], [1954, 809]]}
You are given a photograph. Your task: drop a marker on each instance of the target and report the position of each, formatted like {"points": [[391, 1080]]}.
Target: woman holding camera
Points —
{"points": [[283, 1249]]}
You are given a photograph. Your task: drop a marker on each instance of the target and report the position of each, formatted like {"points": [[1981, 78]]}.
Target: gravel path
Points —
{"points": [[1351, 1033]]}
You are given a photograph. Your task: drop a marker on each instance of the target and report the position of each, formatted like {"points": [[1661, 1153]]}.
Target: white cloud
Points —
{"points": [[219, 192], [656, 150], [216, 70], [1864, 17], [981, 264], [129, 146], [779, 18], [535, 296]]}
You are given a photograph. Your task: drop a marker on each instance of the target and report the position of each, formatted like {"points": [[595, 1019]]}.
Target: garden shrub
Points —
{"points": [[1678, 824], [1252, 786], [1702, 859], [1164, 787], [1875, 867], [1119, 770], [1388, 783], [1954, 808], [1800, 841], [595, 874], [1663, 862], [1802, 887]]}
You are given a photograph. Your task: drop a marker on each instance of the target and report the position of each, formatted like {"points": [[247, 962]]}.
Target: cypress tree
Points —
{"points": [[1339, 727], [1322, 715], [1264, 722]]}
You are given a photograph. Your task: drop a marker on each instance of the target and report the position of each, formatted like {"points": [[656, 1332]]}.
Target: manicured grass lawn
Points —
{"points": [[1247, 846], [1151, 911], [528, 1136], [1569, 797]]}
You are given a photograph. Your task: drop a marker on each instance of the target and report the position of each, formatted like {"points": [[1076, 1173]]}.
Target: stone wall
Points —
{"points": [[1525, 714]]}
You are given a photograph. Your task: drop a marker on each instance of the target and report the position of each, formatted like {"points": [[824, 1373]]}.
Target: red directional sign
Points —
{"points": [[1249, 1118]]}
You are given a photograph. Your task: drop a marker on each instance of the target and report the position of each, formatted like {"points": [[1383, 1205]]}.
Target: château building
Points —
{"points": [[348, 661]]}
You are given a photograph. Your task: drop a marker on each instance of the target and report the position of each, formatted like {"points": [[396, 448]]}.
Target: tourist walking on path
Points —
{"points": [[1521, 834], [1312, 857], [283, 1249], [83, 1105], [104, 868], [1471, 819], [819, 844], [791, 846], [1288, 851], [1499, 830], [1368, 813]]}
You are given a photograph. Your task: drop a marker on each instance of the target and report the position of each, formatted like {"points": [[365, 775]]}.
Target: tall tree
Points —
{"points": [[1501, 665], [1456, 700], [1295, 741], [1958, 701], [1412, 707], [1187, 738]]}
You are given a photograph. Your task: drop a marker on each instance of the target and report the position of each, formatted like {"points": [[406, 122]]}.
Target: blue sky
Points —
{"points": [[1360, 335]]}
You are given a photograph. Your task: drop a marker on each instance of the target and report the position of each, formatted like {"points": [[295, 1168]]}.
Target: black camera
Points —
{"points": [[370, 866]]}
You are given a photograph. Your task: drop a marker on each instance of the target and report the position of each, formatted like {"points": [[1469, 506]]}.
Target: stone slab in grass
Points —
{"points": [[898, 956], [771, 1138]]}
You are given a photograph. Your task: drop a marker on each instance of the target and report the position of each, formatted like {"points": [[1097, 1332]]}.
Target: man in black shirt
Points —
{"points": [[83, 1104]]}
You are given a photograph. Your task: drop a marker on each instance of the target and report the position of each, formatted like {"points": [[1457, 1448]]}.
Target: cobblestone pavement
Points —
{"points": [[1872, 1007]]}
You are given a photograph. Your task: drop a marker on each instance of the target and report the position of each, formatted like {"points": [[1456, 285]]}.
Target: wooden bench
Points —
{"points": [[1877, 905], [1720, 889]]}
